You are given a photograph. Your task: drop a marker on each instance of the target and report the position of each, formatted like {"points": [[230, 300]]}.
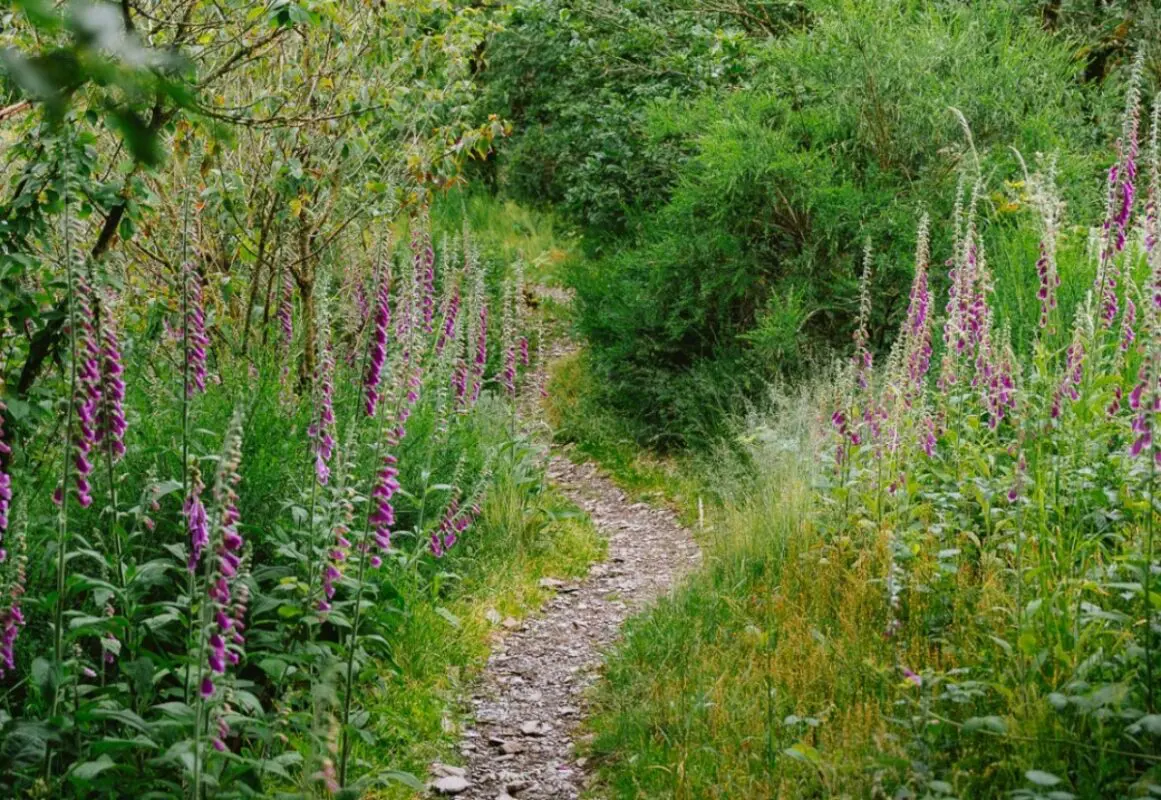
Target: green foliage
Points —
{"points": [[577, 80], [850, 130]]}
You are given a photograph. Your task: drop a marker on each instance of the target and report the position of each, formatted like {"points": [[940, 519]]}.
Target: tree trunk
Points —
{"points": [[256, 279]]}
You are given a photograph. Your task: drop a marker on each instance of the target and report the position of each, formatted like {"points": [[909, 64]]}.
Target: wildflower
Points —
{"points": [[195, 322], [5, 482], [87, 394], [1001, 393], [451, 313], [1127, 321], [383, 514], [1045, 197], [1073, 372], [453, 523], [912, 676], [332, 573], [223, 730], [1145, 400], [111, 425], [1114, 406], [1049, 281], [928, 440], [1018, 479], [1121, 193], [917, 330], [378, 347], [481, 353], [110, 644], [328, 777], [225, 607], [508, 375], [963, 299], [1154, 188], [196, 523], [11, 615]]}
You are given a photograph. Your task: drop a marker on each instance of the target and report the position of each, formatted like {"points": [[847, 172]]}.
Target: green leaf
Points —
{"points": [[177, 710], [42, 673], [87, 770], [1041, 778], [989, 723], [803, 752], [122, 715], [451, 618]]}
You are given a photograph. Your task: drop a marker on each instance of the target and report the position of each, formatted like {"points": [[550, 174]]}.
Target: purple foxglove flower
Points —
{"points": [[1049, 282], [87, 396], [444, 537], [195, 323], [481, 354], [508, 374], [5, 482], [1073, 374], [382, 516], [450, 316], [378, 355], [1114, 407], [11, 615], [111, 425], [217, 653], [227, 607], [1127, 321], [196, 522]]}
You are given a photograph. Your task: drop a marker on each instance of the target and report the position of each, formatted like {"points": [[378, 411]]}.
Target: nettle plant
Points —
{"points": [[197, 608], [1013, 505]]}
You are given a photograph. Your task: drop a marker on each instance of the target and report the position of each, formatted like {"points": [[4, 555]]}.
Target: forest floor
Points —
{"points": [[531, 697]]}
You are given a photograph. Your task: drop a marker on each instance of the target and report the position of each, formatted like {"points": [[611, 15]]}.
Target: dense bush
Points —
{"points": [[577, 78], [849, 130]]}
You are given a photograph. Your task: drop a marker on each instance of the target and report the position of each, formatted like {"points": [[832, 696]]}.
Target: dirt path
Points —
{"points": [[530, 697]]}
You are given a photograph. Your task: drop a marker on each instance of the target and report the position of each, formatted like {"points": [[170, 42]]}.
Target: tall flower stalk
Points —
{"points": [[219, 638], [11, 615]]}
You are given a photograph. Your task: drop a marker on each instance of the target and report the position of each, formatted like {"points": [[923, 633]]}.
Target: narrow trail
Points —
{"points": [[531, 695]]}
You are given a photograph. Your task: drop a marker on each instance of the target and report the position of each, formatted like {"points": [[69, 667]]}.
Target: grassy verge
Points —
{"points": [[733, 686]]}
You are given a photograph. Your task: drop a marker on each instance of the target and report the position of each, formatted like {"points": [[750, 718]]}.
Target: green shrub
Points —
{"points": [[852, 129]]}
